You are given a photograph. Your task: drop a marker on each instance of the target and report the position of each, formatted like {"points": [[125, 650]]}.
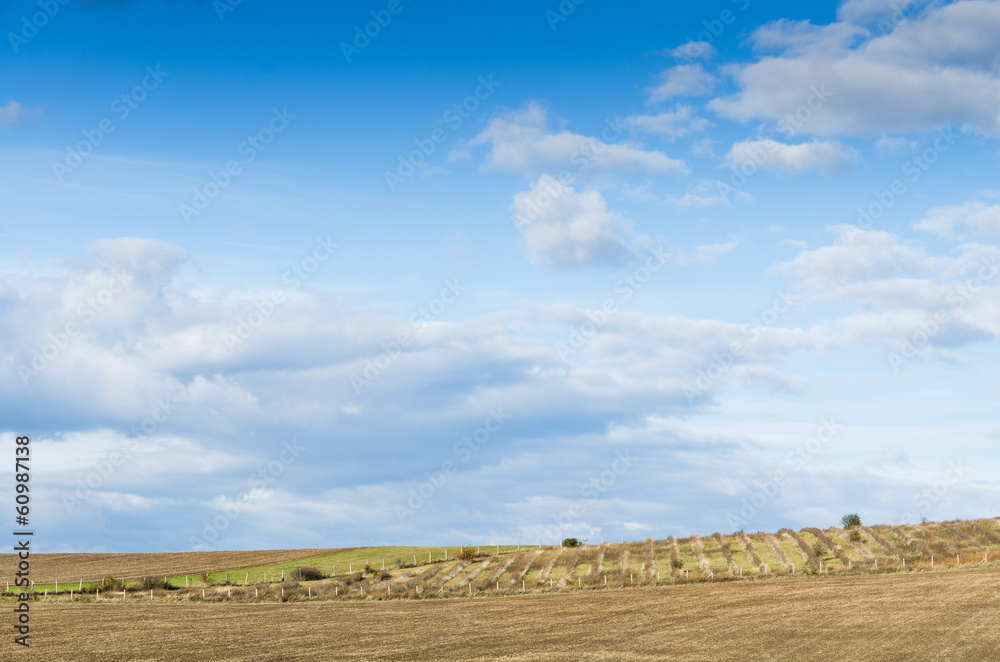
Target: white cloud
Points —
{"points": [[858, 256], [523, 141], [861, 11], [672, 124], [11, 112], [827, 157], [691, 50], [933, 70], [710, 253], [886, 146], [684, 80], [978, 217], [569, 229], [707, 193]]}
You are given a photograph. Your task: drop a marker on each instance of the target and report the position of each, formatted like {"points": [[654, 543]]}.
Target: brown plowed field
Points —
{"points": [[898, 616]]}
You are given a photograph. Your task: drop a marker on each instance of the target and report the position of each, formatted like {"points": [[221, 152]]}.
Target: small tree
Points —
{"points": [[851, 519], [572, 542]]}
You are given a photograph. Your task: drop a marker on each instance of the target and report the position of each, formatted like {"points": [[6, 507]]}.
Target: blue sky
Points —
{"points": [[523, 270]]}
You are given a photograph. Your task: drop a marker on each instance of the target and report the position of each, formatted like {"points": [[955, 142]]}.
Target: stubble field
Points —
{"points": [[898, 616]]}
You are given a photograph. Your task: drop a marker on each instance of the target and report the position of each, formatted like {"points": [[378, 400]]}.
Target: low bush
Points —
{"points": [[572, 542], [467, 553], [150, 583], [311, 574], [110, 583]]}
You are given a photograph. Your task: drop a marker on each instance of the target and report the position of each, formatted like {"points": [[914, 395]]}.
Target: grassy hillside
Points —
{"points": [[424, 572]]}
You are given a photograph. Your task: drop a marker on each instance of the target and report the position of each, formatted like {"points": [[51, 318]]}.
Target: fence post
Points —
{"points": [[246, 579]]}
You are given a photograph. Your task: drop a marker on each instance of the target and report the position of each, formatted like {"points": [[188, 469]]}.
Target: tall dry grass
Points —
{"points": [[546, 570], [777, 549], [834, 548], [649, 563], [807, 551], [699, 553], [734, 570], [749, 548]]}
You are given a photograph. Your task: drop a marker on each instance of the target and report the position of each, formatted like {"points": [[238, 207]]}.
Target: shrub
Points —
{"points": [[467, 553], [819, 549], [851, 519], [150, 583], [572, 542], [676, 564], [311, 574], [855, 535], [109, 583], [384, 575], [205, 578]]}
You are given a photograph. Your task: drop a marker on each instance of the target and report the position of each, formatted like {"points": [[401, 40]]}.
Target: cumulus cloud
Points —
{"points": [[858, 256], [827, 157], [974, 216], [523, 141], [671, 124], [684, 80], [935, 69], [568, 229]]}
